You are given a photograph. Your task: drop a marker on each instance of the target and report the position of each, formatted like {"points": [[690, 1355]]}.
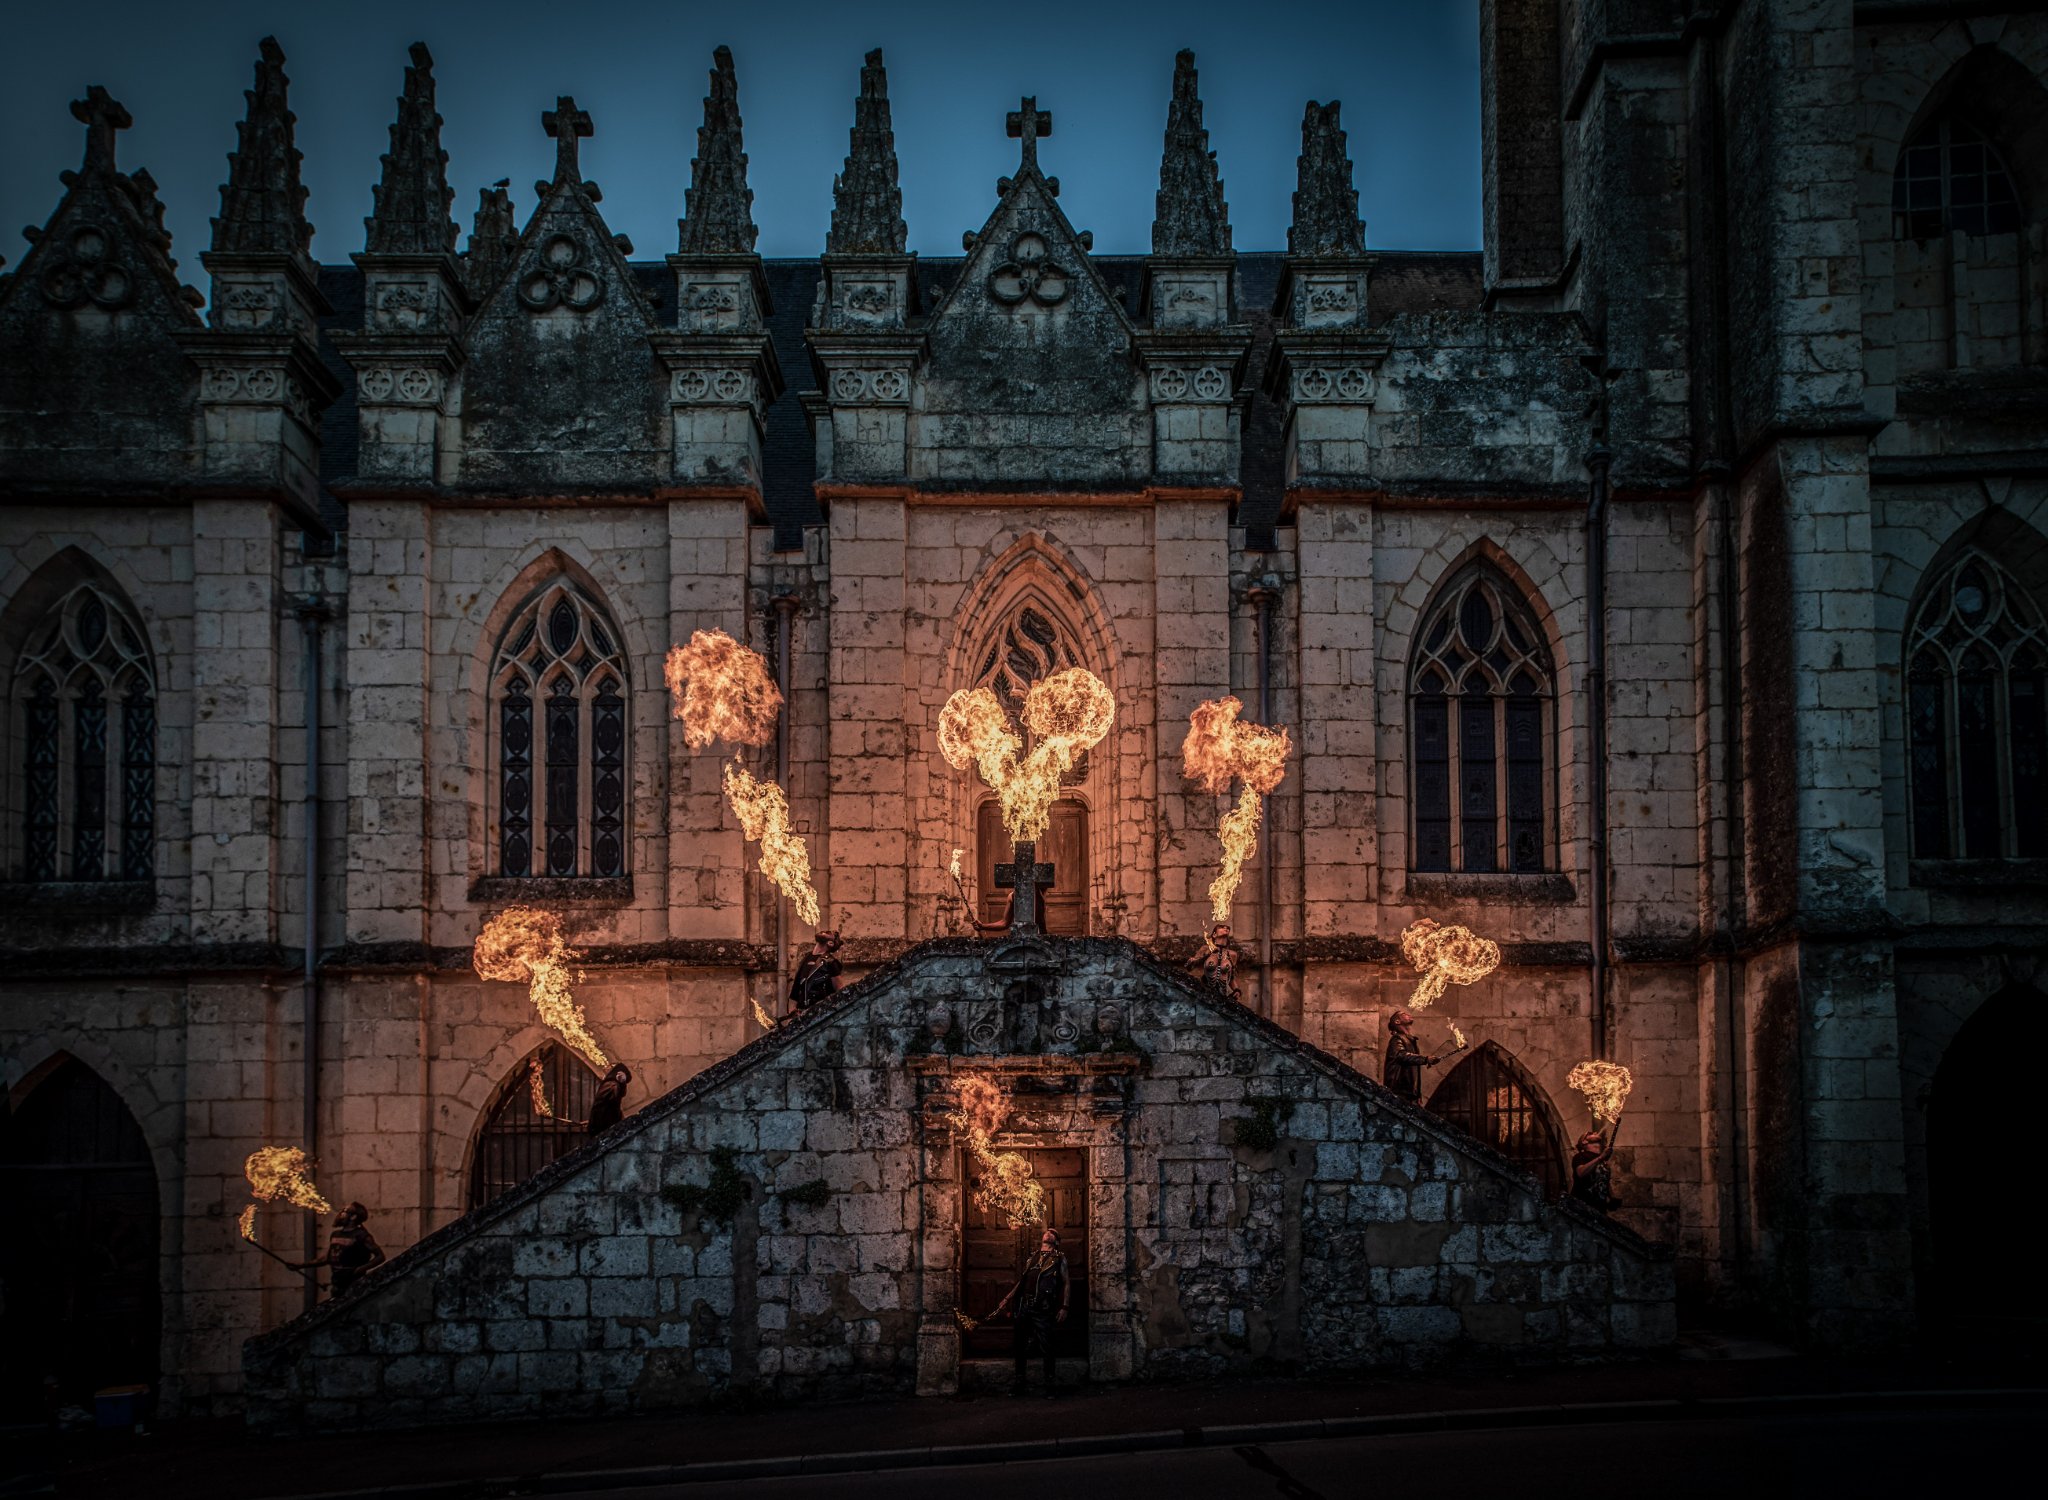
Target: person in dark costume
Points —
{"points": [[609, 1107], [352, 1252], [1041, 1297], [1401, 1070], [1217, 962], [817, 973], [1593, 1171]]}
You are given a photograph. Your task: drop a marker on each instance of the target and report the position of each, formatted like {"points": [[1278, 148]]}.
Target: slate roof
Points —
{"points": [[1402, 282]]}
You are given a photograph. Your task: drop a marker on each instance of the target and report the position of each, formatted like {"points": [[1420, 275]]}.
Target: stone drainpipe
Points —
{"points": [[1597, 462], [1262, 599], [785, 610], [311, 616]]}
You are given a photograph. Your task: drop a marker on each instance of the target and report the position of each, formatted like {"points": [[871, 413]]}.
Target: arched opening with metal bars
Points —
{"points": [[78, 1193], [540, 1112], [1492, 1098]]}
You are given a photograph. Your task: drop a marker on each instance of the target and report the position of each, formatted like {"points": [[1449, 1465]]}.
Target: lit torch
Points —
{"points": [[1067, 713], [278, 1174], [1219, 749], [1005, 1186], [1458, 1042], [1445, 955], [724, 692], [525, 943], [1606, 1086]]}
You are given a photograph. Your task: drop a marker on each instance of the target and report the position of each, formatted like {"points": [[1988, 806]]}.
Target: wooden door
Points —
{"points": [[995, 1254], [1066, 847]]}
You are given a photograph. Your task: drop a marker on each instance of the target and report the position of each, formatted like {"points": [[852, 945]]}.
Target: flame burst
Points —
{"points": [[1605, 1085], [279, 1174], [1221, 748], [1445, 955], [763, 812], [723, 691], [525, 943], [1005, 1186], [537, 1089], [1067, 713]]}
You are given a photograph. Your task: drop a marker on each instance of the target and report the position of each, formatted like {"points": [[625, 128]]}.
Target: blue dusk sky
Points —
{"points": [[1407, 72]]}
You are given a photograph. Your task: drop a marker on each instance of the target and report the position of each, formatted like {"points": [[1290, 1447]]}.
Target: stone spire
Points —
{"points": [[867, 205], [410, 214], [262, 204], [718, 216], [493, 239], [1191, 218], [1325, 202]]}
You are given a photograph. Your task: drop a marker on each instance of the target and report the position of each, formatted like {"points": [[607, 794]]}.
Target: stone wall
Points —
{"points": [[1364, 1235]]}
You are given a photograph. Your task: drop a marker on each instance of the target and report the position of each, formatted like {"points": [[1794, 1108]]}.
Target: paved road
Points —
{"points": [[1821, 1456]]}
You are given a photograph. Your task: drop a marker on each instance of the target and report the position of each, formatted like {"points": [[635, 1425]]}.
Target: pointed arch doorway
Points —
{"points": [[78, 1194]]}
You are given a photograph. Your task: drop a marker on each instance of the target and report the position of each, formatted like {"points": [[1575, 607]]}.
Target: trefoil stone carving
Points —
{"points": [[1029, 275], [84, 270], [561, 276]]}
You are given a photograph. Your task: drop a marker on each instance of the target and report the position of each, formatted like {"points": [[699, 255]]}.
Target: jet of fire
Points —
{"points": [[723, 691], [1219, 749], [1067, 713], [279, 1174], [525, 943], [763, 812], [537, 1089], [1005, 1185], [1606, 1086], [1445, 955]]}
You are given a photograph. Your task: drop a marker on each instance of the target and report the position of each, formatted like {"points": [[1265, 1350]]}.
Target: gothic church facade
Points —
{"points": [[1659, 591]]}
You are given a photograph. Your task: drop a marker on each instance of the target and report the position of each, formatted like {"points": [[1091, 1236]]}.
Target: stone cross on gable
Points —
{"points": [[566, 123], [101, 115], [1024, 875], [1028, 124]]}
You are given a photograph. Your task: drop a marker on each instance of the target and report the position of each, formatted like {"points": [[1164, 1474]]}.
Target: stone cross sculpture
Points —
{"points": [[1024, 875], [1028, 124], [567, 124]]}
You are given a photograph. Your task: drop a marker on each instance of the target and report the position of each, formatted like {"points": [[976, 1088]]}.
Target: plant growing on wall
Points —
{"points": [[718, 1199]]}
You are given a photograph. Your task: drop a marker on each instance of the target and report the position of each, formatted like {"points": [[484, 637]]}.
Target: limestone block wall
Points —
{"points": [[1367, 1235]]}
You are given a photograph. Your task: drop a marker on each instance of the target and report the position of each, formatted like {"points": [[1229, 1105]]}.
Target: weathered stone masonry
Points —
{"points": [[1368, 1236]]}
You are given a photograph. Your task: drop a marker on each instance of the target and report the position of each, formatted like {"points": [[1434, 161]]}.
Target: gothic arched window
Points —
{"points": [[518, 1139], [1481, 724], [1977, 716], [558, 692], [1951, 177], [85, 713]]}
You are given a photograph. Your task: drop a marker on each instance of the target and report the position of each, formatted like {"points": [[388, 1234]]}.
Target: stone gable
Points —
{"points": [[1363, 1234], [1031, 377]]}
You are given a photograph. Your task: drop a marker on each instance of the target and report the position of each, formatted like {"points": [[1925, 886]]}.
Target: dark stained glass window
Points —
{"points": [[1481, 723], [1977, 740], [561, 679], [87, 713], [1950, 177]]}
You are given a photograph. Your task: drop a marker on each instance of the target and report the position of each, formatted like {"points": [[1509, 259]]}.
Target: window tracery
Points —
{"points": [[85, 690], [1482, 723], [1977, 716], [560, 676]]}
